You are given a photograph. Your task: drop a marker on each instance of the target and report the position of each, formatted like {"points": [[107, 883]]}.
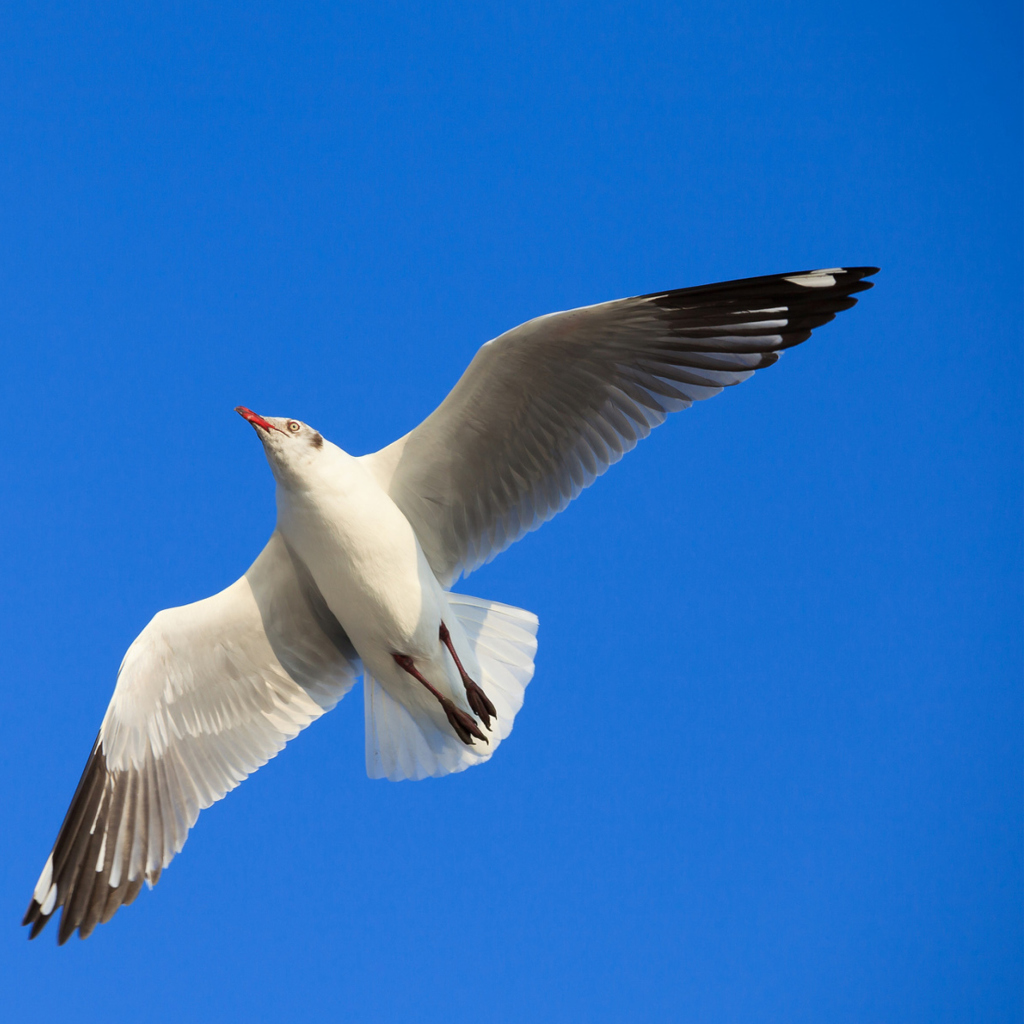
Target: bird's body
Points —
{"points": [[356, 578], [364, 556], [368, 564]]}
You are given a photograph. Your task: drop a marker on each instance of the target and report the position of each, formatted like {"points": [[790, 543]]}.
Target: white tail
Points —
{"points": [[404, 743]]}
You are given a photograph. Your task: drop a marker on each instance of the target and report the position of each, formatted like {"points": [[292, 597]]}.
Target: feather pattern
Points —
{"points": [[547, 407], [265, 657]]}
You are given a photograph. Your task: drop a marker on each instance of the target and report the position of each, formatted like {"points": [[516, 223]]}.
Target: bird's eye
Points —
{"points": [[293, 426]]}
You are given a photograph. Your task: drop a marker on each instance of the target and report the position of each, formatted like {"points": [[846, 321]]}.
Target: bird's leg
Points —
{"points": [[463, 724], [478, 700]]}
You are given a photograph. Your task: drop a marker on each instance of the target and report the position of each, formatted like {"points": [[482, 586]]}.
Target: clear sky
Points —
{"points": [[769, 766]]}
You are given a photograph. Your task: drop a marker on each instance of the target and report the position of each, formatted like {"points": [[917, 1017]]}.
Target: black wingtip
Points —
{"points": [[847, 281], [69, 850], [863, 272]]}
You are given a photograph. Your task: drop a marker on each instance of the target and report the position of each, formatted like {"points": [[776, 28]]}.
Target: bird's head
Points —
{"points": [[291, 446]]}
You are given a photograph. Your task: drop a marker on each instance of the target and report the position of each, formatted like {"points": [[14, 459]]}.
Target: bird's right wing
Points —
{"points": [[207, 694]]}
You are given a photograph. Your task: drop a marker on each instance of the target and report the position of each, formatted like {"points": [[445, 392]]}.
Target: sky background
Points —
{"points": [[769, 765]]}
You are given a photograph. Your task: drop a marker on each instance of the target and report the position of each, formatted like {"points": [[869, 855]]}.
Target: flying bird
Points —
{"points": [[356, 578]]}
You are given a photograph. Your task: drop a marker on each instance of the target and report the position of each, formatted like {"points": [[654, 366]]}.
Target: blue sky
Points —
{"points": [[769, 765]]}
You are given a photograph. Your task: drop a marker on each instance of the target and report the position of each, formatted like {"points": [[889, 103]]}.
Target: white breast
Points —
{"points": [[365, 558]]}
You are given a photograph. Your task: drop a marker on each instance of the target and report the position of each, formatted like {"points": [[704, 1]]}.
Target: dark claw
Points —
{"points": [[464, 725], [480, 703]]}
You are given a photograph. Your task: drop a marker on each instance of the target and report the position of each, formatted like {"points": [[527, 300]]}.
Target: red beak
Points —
{"points": [[256, 421]]}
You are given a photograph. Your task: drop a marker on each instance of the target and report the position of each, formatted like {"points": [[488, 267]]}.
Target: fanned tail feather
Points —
{"points": [[410, 743]]}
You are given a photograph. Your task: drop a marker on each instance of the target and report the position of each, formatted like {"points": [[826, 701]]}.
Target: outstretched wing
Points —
{"points": [[544, 409], [205, 695]]}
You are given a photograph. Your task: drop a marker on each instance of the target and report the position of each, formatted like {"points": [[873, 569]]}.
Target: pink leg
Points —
{"points": [[464, 725], [478, 700]]}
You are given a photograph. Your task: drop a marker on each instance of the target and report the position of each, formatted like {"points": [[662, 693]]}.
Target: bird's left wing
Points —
{"points": [[208, 693], [547, 407]]}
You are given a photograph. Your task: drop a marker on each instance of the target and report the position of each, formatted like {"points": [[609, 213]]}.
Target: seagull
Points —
{"points": [[356, 577]]}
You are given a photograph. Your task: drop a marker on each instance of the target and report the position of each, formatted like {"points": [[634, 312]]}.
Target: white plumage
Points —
{"points": [[356, 578]]}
